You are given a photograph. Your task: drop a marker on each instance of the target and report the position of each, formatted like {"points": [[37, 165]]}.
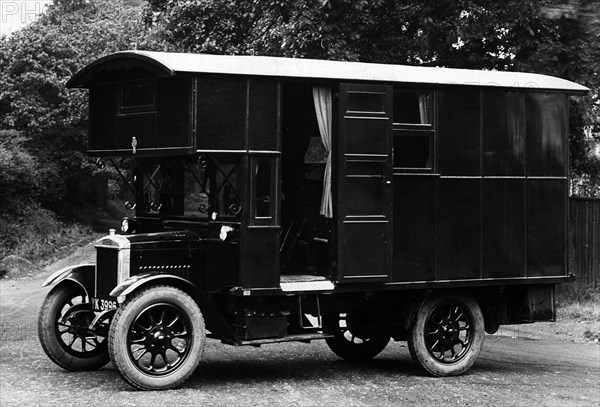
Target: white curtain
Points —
{"points": [[322, 100], [423, 109]]}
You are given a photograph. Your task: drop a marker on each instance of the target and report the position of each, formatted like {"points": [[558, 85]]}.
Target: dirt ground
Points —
{"points": [[553, 364]]}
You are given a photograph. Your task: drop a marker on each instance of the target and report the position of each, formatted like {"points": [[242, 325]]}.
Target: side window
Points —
{"points": [[204, 189], [139, 96], [263, 189], [136, 116], [413, 130], [196, 191]]}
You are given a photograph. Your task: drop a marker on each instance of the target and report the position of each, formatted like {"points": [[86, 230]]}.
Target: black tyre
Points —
{"points": [[447, 334], [156, 338], [63, 330], [355, 338]]}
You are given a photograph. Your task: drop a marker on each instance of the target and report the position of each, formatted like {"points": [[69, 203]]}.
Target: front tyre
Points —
{"points": [[447, 335], [63, 331], [156, 338]]}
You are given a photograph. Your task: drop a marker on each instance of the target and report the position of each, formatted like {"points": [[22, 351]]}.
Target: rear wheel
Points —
{"points": [[63, 331], [157, 338], [447, 335], [354, 336]]}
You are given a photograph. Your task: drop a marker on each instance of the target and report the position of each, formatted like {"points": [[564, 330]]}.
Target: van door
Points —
{"points": [[364, 183]]}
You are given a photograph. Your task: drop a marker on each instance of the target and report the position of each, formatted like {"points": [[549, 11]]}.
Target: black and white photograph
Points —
{"points": [[299, 203]]}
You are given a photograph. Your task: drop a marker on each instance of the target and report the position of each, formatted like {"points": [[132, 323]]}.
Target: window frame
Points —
{"points": [[428, 130], [122, 109], [271, 219]]}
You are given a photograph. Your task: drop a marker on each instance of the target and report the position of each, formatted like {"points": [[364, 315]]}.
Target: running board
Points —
{"points": [[323, 286], [289, 338]]}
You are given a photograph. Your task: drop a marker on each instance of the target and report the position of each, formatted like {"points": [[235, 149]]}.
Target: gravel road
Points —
{"points": [[541, 364]]}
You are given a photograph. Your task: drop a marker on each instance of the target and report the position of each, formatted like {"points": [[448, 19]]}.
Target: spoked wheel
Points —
{"points": [[156, 338], [355, 337], [447, 335], [63, 330]]}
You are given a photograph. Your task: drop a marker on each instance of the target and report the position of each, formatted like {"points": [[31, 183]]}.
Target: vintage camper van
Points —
{"points": [[278, 199]]}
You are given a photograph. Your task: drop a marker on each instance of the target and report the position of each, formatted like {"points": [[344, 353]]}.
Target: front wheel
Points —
{"points": [[447, 335], [354, 336], [63, 330], [156, 338]]}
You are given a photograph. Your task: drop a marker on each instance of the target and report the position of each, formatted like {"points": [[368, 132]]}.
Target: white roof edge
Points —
{"points": [[355, 71]]}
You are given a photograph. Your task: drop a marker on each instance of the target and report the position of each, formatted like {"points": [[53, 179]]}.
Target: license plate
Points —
{"points": [[100, 304]]}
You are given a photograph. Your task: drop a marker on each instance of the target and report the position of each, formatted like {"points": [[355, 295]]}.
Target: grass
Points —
{"points": [[39, 236], [578, 301]]}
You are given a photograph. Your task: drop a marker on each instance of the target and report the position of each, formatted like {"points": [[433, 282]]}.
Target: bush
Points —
{"points": [[38, 235], [19, 180], [579, 301]]}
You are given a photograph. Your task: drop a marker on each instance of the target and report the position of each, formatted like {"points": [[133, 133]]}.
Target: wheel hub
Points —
{"points": [[448, 332], [159, 338], [78, 322]]}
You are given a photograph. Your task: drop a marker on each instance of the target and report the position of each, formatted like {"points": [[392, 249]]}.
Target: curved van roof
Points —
{"points": [[170, 64]]}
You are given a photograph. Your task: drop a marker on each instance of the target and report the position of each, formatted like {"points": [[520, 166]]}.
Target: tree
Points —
{"points": [[35, 64]]}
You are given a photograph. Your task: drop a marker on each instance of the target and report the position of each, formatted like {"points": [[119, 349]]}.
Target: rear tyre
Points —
{"points": [[354, 336], [63, 330], [447, 335], [156, 338]]}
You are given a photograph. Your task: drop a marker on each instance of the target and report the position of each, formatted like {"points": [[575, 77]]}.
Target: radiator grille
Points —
{"points": [[107, 264]]}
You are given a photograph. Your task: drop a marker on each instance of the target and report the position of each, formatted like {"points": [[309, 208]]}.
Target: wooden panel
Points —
{"points": [[173, 113], [365, 256], [142, 126], [370, 102], [546, 223], [504, 128], [503, 228], [261, 257], [221, 117], [459, 132], [546, 134], [103, 116], [365, 182], [459, 229], [263, 115], [414, 228], [361, 135]]}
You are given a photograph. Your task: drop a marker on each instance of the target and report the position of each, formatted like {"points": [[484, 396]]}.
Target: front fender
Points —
{"points": [[82, 274], [133, 283], [215, 320]]}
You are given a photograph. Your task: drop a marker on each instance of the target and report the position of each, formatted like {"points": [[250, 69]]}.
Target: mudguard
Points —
{"points": [[82, 274], [133, 283], [214, 320]]}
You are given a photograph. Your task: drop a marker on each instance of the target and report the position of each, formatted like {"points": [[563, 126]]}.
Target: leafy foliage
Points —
{"points": [[35, 64], [18, 172]]}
